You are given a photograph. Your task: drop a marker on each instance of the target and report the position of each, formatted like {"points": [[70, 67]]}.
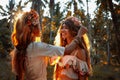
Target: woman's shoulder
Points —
{"points": [[37, 44]]}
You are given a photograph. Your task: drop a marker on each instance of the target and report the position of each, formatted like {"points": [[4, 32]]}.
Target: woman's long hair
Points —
{"points": [[73, 29], [25, 30]]}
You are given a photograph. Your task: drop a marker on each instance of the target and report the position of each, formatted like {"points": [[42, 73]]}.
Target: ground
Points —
{"points": [[100, 71]]}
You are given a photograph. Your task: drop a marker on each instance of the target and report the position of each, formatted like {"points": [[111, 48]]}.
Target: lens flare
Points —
{"points": [[37, 39], [87, 42], [57, 38], [54, 60], [19, 15]]}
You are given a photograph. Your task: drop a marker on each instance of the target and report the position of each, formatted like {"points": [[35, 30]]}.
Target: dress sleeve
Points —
{"points": [[43, 49]]}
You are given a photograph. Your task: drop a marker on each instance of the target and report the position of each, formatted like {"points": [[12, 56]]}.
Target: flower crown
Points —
{"points": [[74, 20], [32, 18]]}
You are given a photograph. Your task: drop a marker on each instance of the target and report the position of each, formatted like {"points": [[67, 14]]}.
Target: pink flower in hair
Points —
{"points": [[32, 18], [76, 21]]}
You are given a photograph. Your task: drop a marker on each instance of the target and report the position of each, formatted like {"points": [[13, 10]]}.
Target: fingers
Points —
{"points": [[76, 21], [82, 31]]}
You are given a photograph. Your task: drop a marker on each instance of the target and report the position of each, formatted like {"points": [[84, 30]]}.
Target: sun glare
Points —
{"points": [[87, 42], [54, 60], [18, 15], [57, 38], [37, 39]]}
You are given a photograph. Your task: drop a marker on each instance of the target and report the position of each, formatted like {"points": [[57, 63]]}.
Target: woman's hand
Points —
{"points": [[82, 31]]}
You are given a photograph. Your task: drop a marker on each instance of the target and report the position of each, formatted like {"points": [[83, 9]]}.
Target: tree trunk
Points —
{"points": [[116, 26], [51, 15], [11, 4]]}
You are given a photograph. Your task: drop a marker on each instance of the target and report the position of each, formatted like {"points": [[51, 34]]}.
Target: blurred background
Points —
{"points": [[101, 17]]}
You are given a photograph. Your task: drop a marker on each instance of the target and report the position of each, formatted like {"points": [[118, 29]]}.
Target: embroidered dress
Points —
{"points": [[36, 62], [73, 63], [65, 69]]}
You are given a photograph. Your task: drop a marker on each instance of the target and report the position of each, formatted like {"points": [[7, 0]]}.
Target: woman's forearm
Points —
{"points": [[69, 48]]}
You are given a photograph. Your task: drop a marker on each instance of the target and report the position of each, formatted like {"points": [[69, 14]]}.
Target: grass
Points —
{"points": [[105, 72], [5, 70], [100, 71]]}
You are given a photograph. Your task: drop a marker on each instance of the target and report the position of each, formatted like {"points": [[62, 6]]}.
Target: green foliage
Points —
{"points": [[109, 7], [103, 30], [5, 70], [5, 42], [105, 72]]}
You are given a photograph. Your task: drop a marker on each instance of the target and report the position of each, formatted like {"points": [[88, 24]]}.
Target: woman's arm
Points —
{"points": [[76, 41]]}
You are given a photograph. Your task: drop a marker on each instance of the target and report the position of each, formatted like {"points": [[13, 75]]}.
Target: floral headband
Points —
{"points": [[32, 18], [76, 21]]}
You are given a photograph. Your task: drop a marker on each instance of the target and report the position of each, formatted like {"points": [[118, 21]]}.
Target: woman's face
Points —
{"points": [[65, 32]]}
